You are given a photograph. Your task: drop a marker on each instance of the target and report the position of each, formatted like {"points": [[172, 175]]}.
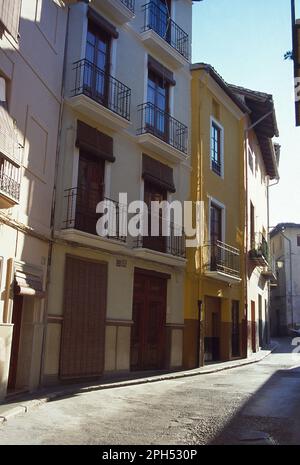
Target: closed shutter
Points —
{"points": [[82, 350], [158, 173], [95, 142], [10, 15]]}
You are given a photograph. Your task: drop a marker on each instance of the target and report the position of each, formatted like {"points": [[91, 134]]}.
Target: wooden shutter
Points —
{"points": [[158, 173], [10, 15], [95, 142], [83, 332]]}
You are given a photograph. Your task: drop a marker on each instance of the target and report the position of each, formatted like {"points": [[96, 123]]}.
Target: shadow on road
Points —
{"points": [[272, 414]]}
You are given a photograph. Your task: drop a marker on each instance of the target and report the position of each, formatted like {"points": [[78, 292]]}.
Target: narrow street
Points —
{"points": [[254, 404]]}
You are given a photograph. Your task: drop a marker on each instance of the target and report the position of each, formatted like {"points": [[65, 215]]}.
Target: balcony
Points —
{"points": [[80, 218], [162, 133], [121, 10], [222, 262], [100, 96], [163, 36], [259, 253], [9, 183], [168, 249]]}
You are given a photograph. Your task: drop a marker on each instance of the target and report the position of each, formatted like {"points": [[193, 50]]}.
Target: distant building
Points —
{"points": [[285, 297]]}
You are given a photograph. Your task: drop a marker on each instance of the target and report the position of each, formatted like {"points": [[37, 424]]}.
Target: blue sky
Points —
{"points": [[246, 41]]}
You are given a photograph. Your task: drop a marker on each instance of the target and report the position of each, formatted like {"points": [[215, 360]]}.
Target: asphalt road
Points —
{"points": [[254, 404]]}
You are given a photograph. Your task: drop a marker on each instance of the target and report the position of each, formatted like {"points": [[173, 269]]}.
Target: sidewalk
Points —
{"points": [[23, 404]]}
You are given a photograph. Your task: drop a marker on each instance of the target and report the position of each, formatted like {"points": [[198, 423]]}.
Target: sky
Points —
{"points": [[246, 41]]}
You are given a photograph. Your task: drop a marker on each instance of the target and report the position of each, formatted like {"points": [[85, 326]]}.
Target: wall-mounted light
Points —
{"points": [[280, 264]]}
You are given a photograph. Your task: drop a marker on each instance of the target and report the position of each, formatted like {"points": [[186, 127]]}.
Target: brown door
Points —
{"points": [[154, 193], [90, 191], [235, 329], [212, 329], [83, 332], [253, 326], [215, 235], [17, 321], [149, 317]]}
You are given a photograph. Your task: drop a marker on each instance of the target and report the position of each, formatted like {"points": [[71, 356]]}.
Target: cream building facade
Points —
{"points": [[30, 108], [116, 304], [260, 170]]}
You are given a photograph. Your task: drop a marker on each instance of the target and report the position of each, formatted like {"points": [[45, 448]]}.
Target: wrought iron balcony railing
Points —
{"points": [[173, 243], [259, 252], [102, 88], [161, 124], [130, 4], [9, 179], [158, 20], [223, 258], [80, 212]]}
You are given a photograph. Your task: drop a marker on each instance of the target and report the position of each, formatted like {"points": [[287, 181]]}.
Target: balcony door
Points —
{"points": [[90, 191], [154, 193], [160, 18], [97, 64], [158, 105], [215, 235]]}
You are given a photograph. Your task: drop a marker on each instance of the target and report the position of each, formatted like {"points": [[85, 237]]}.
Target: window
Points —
{"points": [[160, 18], [298, 240], [98, 61], [158, 98], [10, 16], [215, 223], [216, 235], [154, 193], [216, 148], [90, 191]]}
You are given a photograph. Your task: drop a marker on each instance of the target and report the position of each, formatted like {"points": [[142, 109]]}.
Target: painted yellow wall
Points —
{"points": [[208, 99]]}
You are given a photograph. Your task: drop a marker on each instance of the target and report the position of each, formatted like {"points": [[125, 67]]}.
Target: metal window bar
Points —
{"points": [[130, 4], [155, 18], [173, 243], [161, 124], [224, 259], [102, 88], [9, 179], [80, 212]]}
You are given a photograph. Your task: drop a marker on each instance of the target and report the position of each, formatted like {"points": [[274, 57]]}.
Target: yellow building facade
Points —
{"points": [[215, 284]]}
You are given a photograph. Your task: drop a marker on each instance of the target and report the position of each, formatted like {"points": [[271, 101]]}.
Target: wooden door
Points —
{"points": [[149, 317], [154, 193], [235, 329], [17, 322], [90, 191], [212, 329], [253, 326], [215, 235], [83, 331]]}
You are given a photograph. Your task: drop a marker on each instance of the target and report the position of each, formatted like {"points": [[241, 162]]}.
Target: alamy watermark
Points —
{"points": [[160, 218]]}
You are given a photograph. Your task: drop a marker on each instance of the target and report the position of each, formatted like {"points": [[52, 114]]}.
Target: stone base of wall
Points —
{"points": [[6, 331]]}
